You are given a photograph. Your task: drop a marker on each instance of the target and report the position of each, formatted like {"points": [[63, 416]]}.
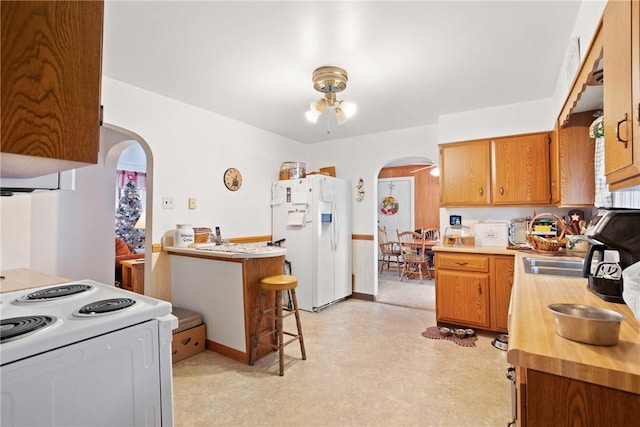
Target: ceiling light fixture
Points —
{"points": [[329, 81]]}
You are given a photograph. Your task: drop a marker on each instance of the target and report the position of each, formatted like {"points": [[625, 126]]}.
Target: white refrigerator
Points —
{"points": [[313, 215]]}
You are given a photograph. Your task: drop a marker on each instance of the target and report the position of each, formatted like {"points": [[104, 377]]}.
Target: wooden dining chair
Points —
{"points": [[432, 234], [414, 258], [388, 250]]}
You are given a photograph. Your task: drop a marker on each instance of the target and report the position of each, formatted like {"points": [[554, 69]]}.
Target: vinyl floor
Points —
{"points": [[367, 365]]}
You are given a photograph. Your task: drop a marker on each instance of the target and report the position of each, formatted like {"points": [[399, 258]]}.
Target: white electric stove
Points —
{"points": [[85, 353]]}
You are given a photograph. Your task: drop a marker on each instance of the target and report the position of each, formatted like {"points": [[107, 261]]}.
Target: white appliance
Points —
{"points": [[85, 353], [313, 215]]}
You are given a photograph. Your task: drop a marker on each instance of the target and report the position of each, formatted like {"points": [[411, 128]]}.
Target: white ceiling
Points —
{"points": [[408, 62]]}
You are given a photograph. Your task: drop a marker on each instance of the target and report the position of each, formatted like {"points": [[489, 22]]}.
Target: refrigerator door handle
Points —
{"points": [[334, 227]]}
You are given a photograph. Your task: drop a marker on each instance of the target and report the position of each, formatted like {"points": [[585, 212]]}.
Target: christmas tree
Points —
{"points": [[127, 214]]}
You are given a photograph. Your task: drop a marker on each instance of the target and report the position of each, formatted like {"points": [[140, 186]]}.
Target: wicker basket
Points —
{"points": [[547, 245], [201, 234], [292, 170]]}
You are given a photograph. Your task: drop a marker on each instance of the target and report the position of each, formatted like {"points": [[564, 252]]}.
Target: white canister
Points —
{"points": [[183, 236]]}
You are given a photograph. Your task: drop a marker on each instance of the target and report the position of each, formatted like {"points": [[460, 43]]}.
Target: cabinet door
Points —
{"points": [[462, 298], [554, 165], [464, 174], [520, 170], [575, 155], [503, 283], [616, 29], [621, 30], [51, 71]]}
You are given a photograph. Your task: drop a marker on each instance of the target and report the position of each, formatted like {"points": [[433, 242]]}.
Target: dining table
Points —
{"points": [[417, 244]]}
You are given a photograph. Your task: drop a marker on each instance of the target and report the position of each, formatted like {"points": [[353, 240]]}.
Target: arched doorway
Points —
{"points": [[425, 206], [116, 140]]}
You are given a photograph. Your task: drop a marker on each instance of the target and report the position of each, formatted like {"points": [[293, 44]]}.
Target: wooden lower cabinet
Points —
{"points": [[463, 298], [473, 289], [550, 400], [503, 279]]}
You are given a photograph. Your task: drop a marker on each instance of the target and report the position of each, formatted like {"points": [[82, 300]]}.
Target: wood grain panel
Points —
{"points": [[503, 283], [463, 298], [254, 270], [617, 90], [426, 193], [576, 152], [552, 400], [465, 173], [463, 262], [520, 170], [51, 71]]}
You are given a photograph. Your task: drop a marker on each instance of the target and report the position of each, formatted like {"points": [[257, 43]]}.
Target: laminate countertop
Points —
{"points": [[230, 251], [23, 278], [533, 343]]}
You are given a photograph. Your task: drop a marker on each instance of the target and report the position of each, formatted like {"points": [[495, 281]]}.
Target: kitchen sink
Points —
{"points": [[553, 266]]}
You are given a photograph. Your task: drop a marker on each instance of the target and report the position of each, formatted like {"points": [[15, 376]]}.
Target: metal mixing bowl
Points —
{"points": [[586, 324]]}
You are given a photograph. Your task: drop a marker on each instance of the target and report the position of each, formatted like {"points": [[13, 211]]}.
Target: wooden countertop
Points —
{"points": [[533, 343], [23, 278]]}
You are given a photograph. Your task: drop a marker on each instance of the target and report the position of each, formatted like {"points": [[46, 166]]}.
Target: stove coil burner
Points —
{"points": [[17, 327], [55, 292], [105, 306]]}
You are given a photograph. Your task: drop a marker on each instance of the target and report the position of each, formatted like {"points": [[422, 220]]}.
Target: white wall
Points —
{"points": [[71, 234], [192, 148], [66, 233], [15, 229], [589, 16]]}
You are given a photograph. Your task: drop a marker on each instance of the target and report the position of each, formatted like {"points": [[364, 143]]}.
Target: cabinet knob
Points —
{"points": [[501, 190], [461, 263], [625, 141], [479, 288], [481, 191]]}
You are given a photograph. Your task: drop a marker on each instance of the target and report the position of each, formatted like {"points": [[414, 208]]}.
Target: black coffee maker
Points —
{"points": [[614, 235]]}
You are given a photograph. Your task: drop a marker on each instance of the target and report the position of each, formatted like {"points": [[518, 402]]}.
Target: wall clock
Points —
{"points": [[232, 179]]}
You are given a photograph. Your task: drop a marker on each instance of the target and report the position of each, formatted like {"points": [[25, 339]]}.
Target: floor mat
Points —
{"points": [[433, 333]]}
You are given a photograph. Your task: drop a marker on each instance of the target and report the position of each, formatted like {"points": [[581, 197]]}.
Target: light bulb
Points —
{"points": [[349, 108], [312, 116], [318, 106], [341, 117]]}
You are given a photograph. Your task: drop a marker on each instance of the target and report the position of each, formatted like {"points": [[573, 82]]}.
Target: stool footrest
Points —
{"points": [[273, 316]]}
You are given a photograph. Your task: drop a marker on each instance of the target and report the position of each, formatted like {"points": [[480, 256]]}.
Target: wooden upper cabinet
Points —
{"points": [[520, 169], [51, 73], [621, 99], [572, 156], [464, 173], [554, 166]]}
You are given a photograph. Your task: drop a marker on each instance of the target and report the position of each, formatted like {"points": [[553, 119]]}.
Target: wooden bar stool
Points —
{"points": [[278, 284]]}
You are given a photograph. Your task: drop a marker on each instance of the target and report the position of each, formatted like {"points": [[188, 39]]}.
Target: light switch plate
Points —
{"points": [[192, 202]]}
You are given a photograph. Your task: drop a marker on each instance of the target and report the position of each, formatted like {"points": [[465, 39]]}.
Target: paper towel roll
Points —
{"points": [[631, 288]]}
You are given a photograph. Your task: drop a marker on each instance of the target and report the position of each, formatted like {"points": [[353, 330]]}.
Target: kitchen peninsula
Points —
{"points": [[222, 284], [560, 381]]}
